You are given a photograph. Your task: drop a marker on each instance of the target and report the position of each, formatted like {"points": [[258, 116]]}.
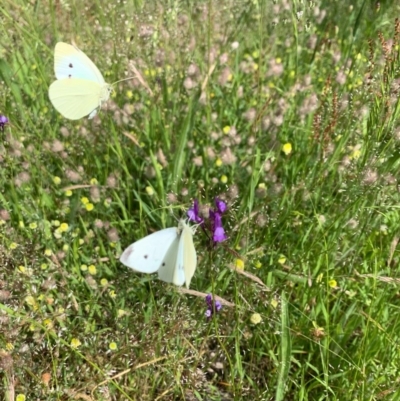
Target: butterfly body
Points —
{"points": [[169, 252], [80, 88]]}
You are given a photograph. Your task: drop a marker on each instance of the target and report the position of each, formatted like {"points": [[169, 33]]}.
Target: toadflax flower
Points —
{"points": [[212, 306], [3, 122], [212, 225]]}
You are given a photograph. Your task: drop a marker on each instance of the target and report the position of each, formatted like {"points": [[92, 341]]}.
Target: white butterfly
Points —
{"points": [[170, 252], [80, 88]]}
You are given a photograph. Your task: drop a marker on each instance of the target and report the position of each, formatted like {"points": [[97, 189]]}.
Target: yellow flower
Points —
{"points": [[274, 303], [22, 269], [48, 252], [332, 283], [89, 207], [218, 162], [150, 191], [121, 313], [43, 266], [81, 241], [287, 148], [255, 318], [33, 226], [84, 268], [257, 264], [63, 227], [21, 224], [68, 192], [281, 260], [20, 397], [112, 346], [112, 294], [92, 270], [75, 343], [129, 94], [13, 245], [224, 179], [93, 181], [57, 180], [48, 323], [65, 247], [9, 346], [226, 129], [239, 264], [103, 282], [55, 223], [85, 200]]}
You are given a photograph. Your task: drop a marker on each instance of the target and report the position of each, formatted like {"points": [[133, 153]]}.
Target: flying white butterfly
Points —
{"points": [[169, 252], [80, 88]]}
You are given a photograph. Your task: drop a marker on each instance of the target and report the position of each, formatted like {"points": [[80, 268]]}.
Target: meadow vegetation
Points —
{"points": [[288, 111]]}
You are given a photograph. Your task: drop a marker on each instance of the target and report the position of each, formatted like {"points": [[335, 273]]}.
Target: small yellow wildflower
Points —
{"points": [[332, 283], [13, 245], [112, 294], [65, 247], [278, 60], [287, 148], [84, 268], [48, 323], [68, 193], [33, 226], [257, 264], [226, 129], [48, 252], [20, 397], [56, 223], [89, 207], [31, 301], [255, 54], [224, 179], [150, 191], [81, 241], [57, 180], [121, 313], [9, 346], [22, 269], [85, 200], [92, 270], [112, 346], [239, 264], [103, 282], [57, 233], [107, 203], [274, 303], [44, 266], [255, 318], [218, 162], [63, 227], [75, 343], [129, 94], [281, 260], [320, 277], [93, 181], [21, 224]]}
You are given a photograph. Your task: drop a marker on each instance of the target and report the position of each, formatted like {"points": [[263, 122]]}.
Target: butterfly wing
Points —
{"points": [[75, 98], [186, 261], [70, 62], [152, 253]]}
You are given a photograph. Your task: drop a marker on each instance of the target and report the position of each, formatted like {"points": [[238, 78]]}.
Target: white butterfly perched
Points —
{"points": [[80, 88], [169, 252]]}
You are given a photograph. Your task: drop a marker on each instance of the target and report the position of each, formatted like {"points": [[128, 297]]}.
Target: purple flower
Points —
{"points": [[216, 224], [212, 225], [212, 306], [3, 121], [193, 212], [220, 205]]}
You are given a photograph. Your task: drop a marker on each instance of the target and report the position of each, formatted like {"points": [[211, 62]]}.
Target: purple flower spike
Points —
{"points": [[218, 230], [212, 306], [3, 121], [193, 212], [220, 205]]}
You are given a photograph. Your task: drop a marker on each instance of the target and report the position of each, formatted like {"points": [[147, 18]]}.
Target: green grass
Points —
{"points": [[317, 227]]}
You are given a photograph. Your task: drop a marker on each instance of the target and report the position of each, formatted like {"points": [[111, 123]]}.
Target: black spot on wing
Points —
{"points": [[70, 65], [145, 256]]}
